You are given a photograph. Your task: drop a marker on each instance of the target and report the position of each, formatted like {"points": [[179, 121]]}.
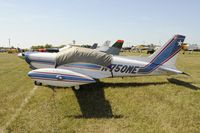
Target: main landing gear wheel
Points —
{"points": [[38, 83], [76, 88]]}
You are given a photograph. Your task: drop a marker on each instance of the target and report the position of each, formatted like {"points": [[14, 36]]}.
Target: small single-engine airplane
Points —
{"points": [[77, 66]]}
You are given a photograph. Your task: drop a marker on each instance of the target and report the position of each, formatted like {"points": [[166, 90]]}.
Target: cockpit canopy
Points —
{"points": [[79, 54]]}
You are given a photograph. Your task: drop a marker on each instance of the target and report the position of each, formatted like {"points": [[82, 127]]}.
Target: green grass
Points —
{"points": [[132, 104]]}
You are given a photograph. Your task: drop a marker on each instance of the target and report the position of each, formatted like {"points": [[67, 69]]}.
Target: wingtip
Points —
{"points": [[185, 74]]}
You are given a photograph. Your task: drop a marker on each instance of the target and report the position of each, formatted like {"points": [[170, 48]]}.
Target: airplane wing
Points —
{"points": [[59, 77]]}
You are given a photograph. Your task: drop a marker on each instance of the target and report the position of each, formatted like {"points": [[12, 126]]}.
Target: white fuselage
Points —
{"points": [[49, 72], [120, 67]]}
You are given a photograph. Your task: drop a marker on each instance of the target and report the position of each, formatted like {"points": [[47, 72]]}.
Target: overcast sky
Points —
{"points": [[34, 22]]}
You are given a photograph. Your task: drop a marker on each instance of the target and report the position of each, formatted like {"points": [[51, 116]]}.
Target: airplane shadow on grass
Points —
{"points": [[183, 83], [92, 100], [93, 103]]}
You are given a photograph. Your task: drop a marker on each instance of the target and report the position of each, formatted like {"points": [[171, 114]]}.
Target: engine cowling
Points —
{"points": [[59, 77]]}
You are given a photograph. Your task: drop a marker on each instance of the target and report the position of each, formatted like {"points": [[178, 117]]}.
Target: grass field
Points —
{"points": [[140, 104]]}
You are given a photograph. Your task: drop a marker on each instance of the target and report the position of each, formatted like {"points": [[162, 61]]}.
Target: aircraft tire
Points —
{"points": [[38, 83], [76, 88]]}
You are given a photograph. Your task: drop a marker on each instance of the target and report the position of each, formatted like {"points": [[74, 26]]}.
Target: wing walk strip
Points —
{"points": [[18, 111]]}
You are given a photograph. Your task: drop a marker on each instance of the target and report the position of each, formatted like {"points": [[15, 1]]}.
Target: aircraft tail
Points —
{"points": [[116, 47], [166, 55]]}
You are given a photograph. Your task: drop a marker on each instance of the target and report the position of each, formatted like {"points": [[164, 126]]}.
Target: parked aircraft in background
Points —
{"points": [[105, 46], [77, 66], [190, 47], [115, 49], [94, 46]]}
